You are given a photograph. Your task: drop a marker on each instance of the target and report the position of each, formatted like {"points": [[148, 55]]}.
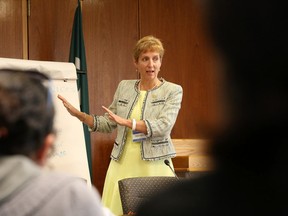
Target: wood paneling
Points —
{"points": [[110, 31], [50, 27], [11, 37], [187, 61]]}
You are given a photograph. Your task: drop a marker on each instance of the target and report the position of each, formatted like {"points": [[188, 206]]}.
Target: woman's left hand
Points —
{"points": [[119, 120]]}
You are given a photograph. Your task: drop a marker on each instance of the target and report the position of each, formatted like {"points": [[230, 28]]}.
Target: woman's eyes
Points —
{"points": [[155, 59]]}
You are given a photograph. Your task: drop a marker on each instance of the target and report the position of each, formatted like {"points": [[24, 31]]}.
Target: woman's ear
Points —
{"points": [[136, 64], [43, 152]]}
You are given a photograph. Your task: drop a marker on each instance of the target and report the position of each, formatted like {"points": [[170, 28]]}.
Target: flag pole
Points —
{"points": [[78, 57]]}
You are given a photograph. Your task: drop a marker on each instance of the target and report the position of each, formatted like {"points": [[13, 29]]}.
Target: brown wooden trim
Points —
{"points": [[25, 28], [191, 155]]}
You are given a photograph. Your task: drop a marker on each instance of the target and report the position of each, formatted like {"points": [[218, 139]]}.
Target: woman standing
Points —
{"points": [[144, 112]]}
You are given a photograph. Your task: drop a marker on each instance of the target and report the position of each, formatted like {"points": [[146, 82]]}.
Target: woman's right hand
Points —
{"points": [[70, 108]]}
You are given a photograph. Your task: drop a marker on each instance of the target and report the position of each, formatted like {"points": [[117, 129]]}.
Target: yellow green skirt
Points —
{"points": [[130, 165]]}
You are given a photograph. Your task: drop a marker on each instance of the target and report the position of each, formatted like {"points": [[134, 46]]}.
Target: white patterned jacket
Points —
{"points": [[160, 110]]}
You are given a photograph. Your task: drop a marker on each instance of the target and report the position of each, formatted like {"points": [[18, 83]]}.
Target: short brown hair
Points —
{"points": [[148, 43]]}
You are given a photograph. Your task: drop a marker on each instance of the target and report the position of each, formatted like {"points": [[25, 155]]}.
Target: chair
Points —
{"points": [[134, 191]]}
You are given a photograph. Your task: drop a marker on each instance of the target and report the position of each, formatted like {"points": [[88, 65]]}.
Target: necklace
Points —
{"points": [[139, 86]]}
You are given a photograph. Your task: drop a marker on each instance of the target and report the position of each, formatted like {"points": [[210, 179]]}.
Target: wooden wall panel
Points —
{"points": [[110, 31], [11, 37], [187, 61], [50, 27]]}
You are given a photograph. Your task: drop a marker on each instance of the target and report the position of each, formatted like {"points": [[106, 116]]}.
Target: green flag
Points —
{"points": [[78, 57]]}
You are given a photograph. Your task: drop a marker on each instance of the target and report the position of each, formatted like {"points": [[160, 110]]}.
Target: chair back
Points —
{"points": [[134, 191]]}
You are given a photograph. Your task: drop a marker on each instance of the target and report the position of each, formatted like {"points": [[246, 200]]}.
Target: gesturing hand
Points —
{"points": [[71, 109], [119, 120]]}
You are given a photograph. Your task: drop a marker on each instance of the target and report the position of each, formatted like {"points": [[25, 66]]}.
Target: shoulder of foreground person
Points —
{"points": [[218, 194], [54, 194], [75, 198]]}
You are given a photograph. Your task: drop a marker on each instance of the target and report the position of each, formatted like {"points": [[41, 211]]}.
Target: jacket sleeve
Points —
{"points": [[102, 123]]}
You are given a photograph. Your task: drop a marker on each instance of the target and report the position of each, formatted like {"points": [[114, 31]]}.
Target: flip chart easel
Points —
{"points": [[70, 150]]}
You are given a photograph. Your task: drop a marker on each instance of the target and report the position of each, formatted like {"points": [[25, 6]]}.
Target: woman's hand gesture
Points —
{"points": [[119, 120], [70, 108]]}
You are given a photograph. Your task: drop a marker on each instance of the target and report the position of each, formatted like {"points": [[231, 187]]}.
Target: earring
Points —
{"points": [[138, 74]]}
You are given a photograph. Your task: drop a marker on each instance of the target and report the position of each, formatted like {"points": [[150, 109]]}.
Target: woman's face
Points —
{"points": [[148, 65]]}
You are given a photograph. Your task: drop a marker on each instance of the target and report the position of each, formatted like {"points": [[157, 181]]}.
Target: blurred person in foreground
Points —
{"points": [[26, 140], [250, 153]]}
